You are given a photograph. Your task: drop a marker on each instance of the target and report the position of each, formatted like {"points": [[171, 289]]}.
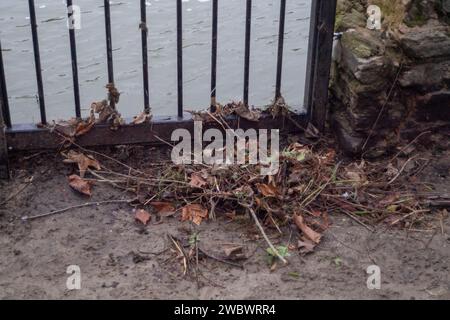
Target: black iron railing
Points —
{"points": [[145, 64], [31, 136], [318, 66]]}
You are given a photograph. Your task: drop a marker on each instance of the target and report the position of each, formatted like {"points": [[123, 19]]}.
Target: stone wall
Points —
{"points": [[391, 83]]}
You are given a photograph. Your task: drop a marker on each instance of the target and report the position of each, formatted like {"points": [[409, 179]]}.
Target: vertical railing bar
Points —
{"points": [[144, 32], [312, 57], [4, 92], [323, 52], [180, 56], [109, 46], [214, 55], [37, 61], [280, 49], [248, 27], [73, 54]]}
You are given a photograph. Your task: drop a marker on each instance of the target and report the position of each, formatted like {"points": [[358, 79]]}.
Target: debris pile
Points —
{"points": [[311, 184]]}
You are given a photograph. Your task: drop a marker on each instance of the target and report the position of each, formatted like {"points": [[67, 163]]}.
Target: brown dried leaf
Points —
{"points": [[268, 190], [329, 157], [244, 112], [84, 162], [113, 93], [80, 185], [307, 231], [197, 181], [98, 106], [194, 212], [84, 127], [103, 109], [143, 216], [355, 173], [164, 209], [356, 177], [141, 118]]}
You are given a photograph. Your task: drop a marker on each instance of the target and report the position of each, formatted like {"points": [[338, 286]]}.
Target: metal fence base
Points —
{"points": [[29, 137]]}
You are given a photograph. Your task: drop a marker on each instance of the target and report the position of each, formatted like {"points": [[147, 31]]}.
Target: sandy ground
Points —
{"points": [[120, 259]]}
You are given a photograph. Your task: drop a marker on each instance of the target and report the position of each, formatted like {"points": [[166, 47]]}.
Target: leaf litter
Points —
{"points": [[310, 185]]}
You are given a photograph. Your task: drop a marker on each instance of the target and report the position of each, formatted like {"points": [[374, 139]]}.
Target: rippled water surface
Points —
{"points": [[55, 54]]}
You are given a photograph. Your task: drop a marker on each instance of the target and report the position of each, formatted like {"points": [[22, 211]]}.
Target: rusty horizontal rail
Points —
{"points": [[28, 137]]}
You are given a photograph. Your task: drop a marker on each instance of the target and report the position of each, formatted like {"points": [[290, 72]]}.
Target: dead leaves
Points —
{"points": [[268, 190], [221, 112], [297, 152], [164, 209], [244, 112], [195, 213], [355, 173], [142, 118], [107, 114], [197, 180], [84, 126], [103, 110], [80, 185], [113, 94], [143, 216], [307, 231], [84, 162]]}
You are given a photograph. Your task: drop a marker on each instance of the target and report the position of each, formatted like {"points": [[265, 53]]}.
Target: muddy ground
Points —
{"points": [[121, 259]]}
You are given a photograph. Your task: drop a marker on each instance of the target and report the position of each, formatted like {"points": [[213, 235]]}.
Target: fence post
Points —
{"points": [[323, 14], [4, 164]]}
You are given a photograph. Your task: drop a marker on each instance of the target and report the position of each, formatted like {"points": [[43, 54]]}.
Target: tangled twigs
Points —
{"points": [[351, 216], [88, 204], [311, 180], [97, 153], [408, 215], [180, 250], [261, 229]]}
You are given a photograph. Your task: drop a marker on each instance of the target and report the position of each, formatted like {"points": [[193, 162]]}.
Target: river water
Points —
{"points": [[56, 64]]}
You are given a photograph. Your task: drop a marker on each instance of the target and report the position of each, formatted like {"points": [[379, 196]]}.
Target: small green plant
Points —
{"points": [[193, 239], [337, 262], [272, 256]]}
